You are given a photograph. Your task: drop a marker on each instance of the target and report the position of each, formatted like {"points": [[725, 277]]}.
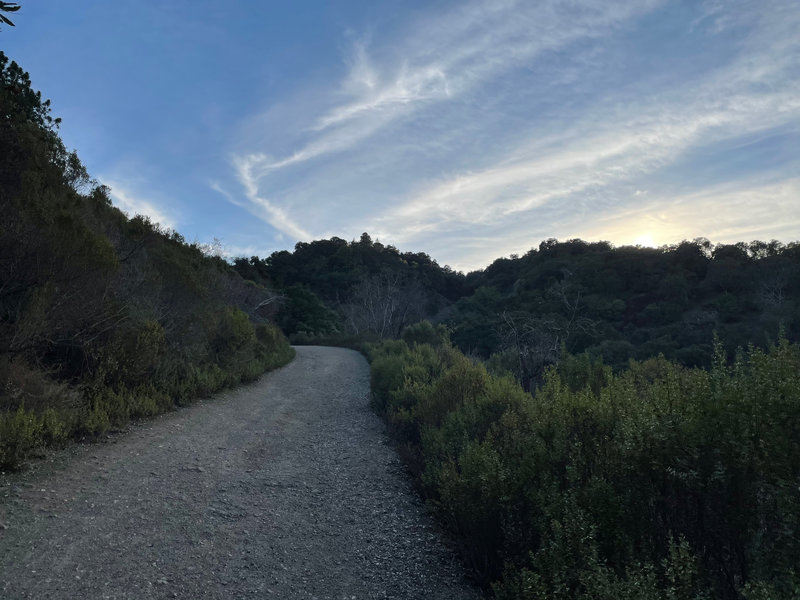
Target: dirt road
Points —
{"points": [[282, 489]]}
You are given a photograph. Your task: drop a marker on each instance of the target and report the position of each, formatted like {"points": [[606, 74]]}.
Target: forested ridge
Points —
{"points": [[616, 303], [104, 318]]}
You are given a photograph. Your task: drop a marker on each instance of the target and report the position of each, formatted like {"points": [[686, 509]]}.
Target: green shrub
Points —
{"points": [[19, 435], [96, 420], [56, 427], [504, 363], [426, 333], [386, 376], [459, 383], [657, 482]]}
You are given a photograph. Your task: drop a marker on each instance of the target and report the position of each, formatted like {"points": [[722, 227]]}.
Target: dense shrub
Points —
{"points": [[426, 333], [657, 482]]}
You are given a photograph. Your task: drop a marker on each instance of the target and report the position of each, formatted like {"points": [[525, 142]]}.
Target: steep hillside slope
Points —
{"points": [[102, 317]]}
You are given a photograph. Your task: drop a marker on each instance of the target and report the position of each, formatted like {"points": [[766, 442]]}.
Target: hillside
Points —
{"points": [[616, 303], [103, 318]]}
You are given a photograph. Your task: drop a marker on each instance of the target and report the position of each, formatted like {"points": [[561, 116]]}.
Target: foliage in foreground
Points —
{"points": [[103, 318], [656, 482]]}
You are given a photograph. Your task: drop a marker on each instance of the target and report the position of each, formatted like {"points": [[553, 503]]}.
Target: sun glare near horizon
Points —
{"points": [[645, 239]]}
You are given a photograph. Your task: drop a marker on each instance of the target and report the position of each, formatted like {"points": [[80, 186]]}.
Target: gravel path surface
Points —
{"points": [[286, 488]]}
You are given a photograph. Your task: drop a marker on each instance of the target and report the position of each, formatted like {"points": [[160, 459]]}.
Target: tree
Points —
{"points": [[534, 342], [8, 7], [303, 312], [384, 304]]}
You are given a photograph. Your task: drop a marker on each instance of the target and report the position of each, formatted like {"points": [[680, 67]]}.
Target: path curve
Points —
{"points": [[286, 488]]}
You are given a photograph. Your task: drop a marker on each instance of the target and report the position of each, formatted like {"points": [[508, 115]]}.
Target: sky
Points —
{"points": [[468, 130]]}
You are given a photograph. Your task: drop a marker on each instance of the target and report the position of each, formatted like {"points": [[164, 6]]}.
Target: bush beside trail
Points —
{"points": [[659, 481]]}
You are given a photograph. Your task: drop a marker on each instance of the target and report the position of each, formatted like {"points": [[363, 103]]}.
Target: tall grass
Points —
{"points": [[138, 380]]}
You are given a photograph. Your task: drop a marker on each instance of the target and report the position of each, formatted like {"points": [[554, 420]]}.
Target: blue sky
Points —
{"points": [[468, 130]]}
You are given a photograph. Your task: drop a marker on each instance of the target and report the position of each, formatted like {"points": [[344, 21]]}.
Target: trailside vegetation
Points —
{"points": [[655, 482], [104, 318]]}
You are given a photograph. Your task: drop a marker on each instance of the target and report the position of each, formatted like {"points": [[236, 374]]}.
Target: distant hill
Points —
{"points": [[618, 303]]}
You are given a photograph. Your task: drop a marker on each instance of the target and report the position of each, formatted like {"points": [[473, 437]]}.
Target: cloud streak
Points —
{"points": [[498, 119], [447, 57], [132, 204], [258, 205], [626, 151]]}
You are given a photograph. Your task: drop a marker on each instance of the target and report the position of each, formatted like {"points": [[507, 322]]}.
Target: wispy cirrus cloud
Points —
{"points": [[442, 59], [502, 119], [467, 129], [602, 149], [257, 204], [601, 157]]}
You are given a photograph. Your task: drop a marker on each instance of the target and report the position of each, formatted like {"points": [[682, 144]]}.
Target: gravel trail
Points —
{"points": [[286, 488]]}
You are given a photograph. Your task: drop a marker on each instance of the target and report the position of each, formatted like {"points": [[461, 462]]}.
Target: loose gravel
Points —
{"points": [[286, 488]]}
